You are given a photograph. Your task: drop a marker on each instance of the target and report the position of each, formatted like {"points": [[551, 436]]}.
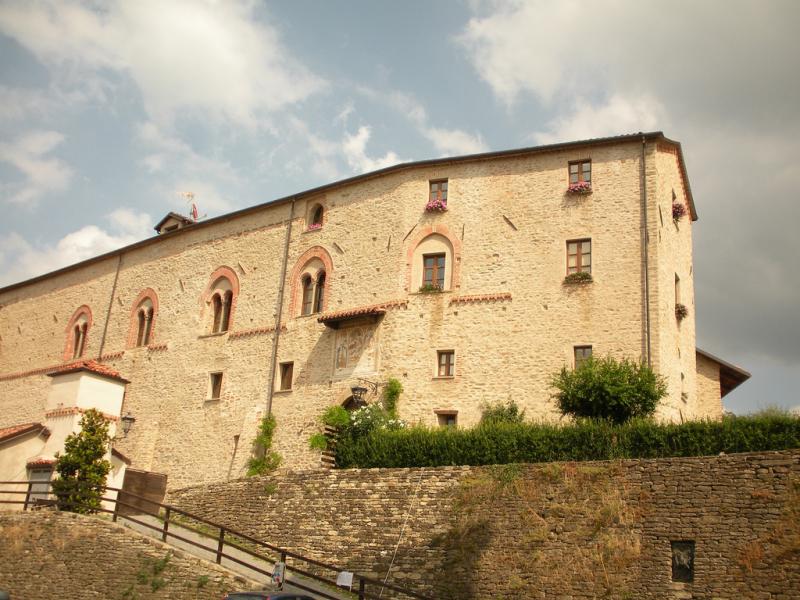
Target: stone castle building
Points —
{"points": [[470, 279]]}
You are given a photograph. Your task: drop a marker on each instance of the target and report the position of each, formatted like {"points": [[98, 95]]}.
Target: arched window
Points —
{"points": [[221, 302], [143, 317], [319, 292], [432, 266], [79, 339], [220, 297], [308, 294], [311, 280], [78, 333]]}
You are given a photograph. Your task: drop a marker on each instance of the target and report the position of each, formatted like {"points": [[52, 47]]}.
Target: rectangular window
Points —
{"points": [[215, 387], [579, 256], [582, 354], [447, 418], [433, 270], [446, 360], [580, 170], [438, 191], [287, 370]]}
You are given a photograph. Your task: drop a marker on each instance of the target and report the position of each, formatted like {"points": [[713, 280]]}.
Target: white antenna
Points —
{"points": [[189, 198]]}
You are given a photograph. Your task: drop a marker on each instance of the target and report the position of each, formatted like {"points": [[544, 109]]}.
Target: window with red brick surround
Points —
{"points": [[220, 296], [143, 318], [77, 333]]}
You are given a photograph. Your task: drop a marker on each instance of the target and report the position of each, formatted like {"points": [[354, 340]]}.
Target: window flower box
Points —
{"points": [[678, 211], [429, 288], [436, 205], [580, 188], [578, 278], [681, 312], [314, 227]]}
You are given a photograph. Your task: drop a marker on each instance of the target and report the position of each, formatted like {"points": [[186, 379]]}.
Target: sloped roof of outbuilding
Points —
{"points": [[10, 433]]}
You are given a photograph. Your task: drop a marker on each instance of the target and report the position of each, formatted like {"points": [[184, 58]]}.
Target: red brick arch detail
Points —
{"points": [[429, 230], [133, 330], [233, 278], [81, 311], [294, 280]]}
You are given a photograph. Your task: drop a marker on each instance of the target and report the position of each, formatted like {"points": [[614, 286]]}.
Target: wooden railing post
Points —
{"points": [[166, 525], [220, 545], [28, 495], [361, 588]]}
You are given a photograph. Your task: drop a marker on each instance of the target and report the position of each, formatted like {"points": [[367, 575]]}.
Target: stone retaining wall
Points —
{"points": [[565, 530], [47, 554]]}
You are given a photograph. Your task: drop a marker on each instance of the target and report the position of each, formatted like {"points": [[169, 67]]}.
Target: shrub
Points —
{"points": [[678, 211], [605, 388], [318, 441], [82, 469], [503, 443], [264, 460], [391, 395], [502, 413], [336, 416], [681, 312]]}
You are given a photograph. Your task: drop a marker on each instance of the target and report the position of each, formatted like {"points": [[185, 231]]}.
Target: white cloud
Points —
{"points": [[18, 103], [447, 142], [355, 152], [43, 174], [202, 58], [618, 115], [453, 142], [20, 259]]}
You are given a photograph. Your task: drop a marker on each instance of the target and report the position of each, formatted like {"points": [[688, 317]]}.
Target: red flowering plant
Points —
{"points": [[314, 226], [678, 211], [436, 205], [580, 187]]}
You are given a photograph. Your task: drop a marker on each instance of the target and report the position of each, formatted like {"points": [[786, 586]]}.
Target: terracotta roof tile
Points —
{"points": [[41, 461], [88, 365], [10, 432]]}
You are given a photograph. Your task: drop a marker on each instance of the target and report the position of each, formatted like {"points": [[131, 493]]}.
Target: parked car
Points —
{"points": [[266, 595]]}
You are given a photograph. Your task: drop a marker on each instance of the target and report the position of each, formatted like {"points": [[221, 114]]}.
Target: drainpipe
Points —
{"points": [[110, 305], [279, 312], [645, 243]]}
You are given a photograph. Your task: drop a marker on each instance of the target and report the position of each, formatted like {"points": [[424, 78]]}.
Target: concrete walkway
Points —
{"points": [[210, 555]]}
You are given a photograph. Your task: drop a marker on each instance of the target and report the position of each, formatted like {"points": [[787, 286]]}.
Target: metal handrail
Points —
{"points": [[218, 549]]}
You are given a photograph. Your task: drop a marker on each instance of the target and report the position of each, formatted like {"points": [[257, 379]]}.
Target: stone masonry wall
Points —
{"points": [[47, 554], [560, 530], [507, 314]]}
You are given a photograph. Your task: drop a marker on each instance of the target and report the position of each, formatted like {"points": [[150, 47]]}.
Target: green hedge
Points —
{"points": [[500, 443]]}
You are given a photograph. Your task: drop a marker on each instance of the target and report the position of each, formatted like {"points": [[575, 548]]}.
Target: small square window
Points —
{"points": [[582, 354], [446, 361], [287, 370], [579, 256], [580, 170], [215, 387], [438, 191], [447, 418]]}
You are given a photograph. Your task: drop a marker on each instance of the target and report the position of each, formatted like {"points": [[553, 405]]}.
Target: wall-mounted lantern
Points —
{"points": [[127, 422], [358, 396]]}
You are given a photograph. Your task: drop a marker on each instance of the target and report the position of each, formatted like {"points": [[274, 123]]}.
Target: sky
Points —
{"points": [[110, 111]]}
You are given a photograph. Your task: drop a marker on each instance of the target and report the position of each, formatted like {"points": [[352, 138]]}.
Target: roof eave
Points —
{"points": [[627, 138]]}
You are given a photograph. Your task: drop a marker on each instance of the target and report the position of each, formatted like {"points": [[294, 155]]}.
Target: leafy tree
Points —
{"points": [[605, 388], [82, 469], [502, 413]]}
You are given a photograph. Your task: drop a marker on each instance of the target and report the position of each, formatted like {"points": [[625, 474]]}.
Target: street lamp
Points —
{"points": [[358, 396], [127, 422]]}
